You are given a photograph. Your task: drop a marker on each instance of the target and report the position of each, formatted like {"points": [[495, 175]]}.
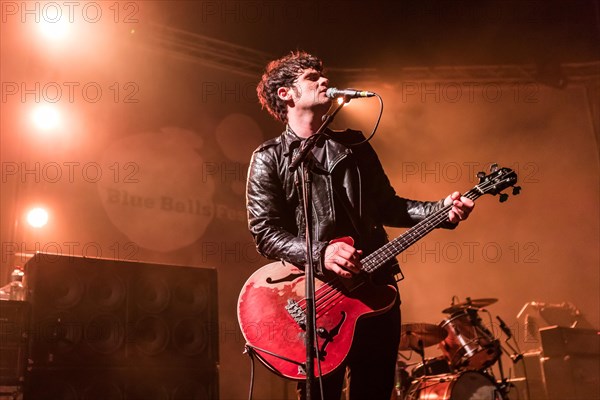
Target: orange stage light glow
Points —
{"points": [[54, 30], [37, 217], [46, 117]]}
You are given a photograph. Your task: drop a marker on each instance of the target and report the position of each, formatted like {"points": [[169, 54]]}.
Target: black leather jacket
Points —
{"points": [[348, 183]]}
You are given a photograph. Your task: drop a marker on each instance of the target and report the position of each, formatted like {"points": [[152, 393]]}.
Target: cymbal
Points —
{"points": [[427, 334], [470, 303]]}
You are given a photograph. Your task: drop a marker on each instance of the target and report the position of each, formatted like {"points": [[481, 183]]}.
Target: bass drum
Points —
{"points": [[468, 385]]}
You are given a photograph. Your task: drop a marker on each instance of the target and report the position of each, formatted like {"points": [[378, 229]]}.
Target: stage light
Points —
{"points": [[46, 117], [37, 217], [54, 30]]}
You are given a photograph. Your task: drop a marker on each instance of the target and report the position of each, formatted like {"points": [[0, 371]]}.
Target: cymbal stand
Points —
{"points": [[420, 350]]}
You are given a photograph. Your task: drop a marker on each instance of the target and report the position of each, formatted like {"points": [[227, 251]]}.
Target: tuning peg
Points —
{"points": [[494, 167], [503, 197], [516, 190], [481, 176]]}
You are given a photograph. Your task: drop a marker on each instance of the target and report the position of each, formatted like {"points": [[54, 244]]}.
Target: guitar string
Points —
{"points": [[326, 297], [327, 305], [370, 262], [327, 294], [331, 298], [326, 300]]}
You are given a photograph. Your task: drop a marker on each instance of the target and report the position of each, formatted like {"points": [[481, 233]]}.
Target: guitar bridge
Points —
{"points": [[296, 313]]}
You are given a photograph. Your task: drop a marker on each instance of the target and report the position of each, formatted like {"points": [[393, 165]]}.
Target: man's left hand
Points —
{"points": [[461, 207]]}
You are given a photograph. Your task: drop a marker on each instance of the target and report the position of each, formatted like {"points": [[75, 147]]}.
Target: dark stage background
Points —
{"points": [[159, 116]]}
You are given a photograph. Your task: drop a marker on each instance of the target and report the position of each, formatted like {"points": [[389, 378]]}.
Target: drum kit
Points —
{"points": [[463, 371]]}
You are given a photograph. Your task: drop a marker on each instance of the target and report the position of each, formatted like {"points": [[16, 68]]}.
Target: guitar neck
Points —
{"points": [[378, 258]]}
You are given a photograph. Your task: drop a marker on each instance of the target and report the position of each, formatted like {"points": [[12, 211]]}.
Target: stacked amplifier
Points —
{"points": [[107, 329]]}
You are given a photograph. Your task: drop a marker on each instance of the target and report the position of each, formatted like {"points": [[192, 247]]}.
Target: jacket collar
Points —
{"points": [[290, 141], [335, 149]]}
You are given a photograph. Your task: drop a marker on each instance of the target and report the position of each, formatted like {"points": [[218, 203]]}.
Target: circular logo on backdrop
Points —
{"points": [[168, 186], [238, 136], [159, 196]]}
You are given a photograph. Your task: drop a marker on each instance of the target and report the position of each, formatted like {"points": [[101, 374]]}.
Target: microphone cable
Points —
{"points": [[374, 128]]}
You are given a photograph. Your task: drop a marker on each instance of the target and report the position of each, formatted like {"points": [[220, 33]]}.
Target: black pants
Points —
{"points": [[371, 361]]}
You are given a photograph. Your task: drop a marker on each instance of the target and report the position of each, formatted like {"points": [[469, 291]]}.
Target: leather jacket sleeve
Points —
{"points": [[271, 222]]}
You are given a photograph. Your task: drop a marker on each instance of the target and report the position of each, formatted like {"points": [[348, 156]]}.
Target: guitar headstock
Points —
{"points": [[496, 181]]}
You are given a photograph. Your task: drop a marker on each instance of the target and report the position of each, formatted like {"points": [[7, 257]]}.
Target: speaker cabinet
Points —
{"points": [[558, 341], [105, 329], [571, 363], [14, 328], [572, 378]]}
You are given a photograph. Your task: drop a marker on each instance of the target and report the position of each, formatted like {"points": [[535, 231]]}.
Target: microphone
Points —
{"points": [[504, 328], [334, 93]]}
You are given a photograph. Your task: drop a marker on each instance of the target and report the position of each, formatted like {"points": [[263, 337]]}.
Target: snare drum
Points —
{"points": [[468, 385], [469, 345]]}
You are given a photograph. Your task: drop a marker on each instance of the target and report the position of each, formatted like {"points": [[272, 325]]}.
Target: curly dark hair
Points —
{"points": [[282, 73]]}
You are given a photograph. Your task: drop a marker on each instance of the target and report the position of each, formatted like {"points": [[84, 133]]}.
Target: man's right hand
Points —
{"points": [[342, 259]]}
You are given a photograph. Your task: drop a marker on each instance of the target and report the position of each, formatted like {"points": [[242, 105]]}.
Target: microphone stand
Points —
{"points": [[302, 160]]}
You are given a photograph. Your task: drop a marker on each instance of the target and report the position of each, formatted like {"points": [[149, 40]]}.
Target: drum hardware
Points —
{"points": [[432, 366], [516, 354], [469, 344], [403, 380], [415, 337], [420, 335], [469, 348], [504, 384], [468, 304]]}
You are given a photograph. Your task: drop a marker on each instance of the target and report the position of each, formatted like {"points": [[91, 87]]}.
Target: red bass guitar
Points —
{"points": [[271, 305]]}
